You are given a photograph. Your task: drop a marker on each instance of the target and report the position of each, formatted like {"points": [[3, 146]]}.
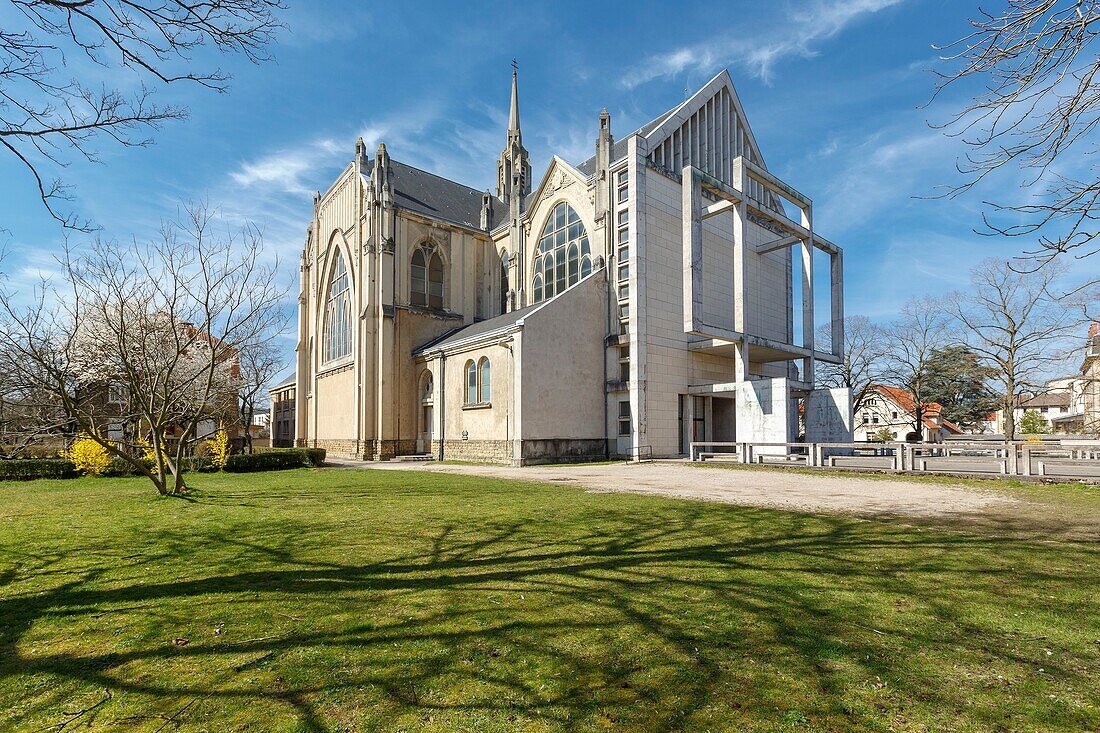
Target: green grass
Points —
{"points": [[413, 601]]}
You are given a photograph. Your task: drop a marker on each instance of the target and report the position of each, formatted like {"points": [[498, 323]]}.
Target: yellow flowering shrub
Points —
{"points": [[88, 456], [218, 448]]}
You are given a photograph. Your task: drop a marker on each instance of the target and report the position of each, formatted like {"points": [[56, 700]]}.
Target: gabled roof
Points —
{"points": [[436, 197], [660, 127], [478, 328], [931, 410]]}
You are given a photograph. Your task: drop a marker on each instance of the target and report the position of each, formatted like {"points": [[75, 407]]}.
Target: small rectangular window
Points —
{"points": [[624, 235], [624, 194], [624, 272], [624, 371], [624, 418], [624, 217], [623, 176], [624, 253], [624, 327], [624, 351], [624, 292], [624, 311]]}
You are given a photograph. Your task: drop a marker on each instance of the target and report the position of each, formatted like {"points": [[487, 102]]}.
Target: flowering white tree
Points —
{"points": [[141, 343]]}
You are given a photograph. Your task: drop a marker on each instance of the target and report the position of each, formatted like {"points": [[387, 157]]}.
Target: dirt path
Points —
{"points": [[776, 489]]}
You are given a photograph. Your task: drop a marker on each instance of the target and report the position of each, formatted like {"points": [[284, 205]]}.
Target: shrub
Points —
{"points": [[219, 448], [89, 457], [26, 469], [276, 459]]}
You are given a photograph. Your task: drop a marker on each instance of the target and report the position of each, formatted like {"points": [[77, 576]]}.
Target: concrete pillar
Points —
{"points": [[836, 291], [807, 249]]}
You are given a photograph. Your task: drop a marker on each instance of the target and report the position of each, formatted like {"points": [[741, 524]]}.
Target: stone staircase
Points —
{"points": [[417, 458]]}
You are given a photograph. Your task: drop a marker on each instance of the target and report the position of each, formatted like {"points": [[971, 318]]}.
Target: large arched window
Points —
{"points": [[338, 315], [427, 277], [564, 254]]}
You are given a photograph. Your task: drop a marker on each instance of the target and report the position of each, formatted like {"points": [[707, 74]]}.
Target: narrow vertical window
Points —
{"points": [[471, 383], [484, 393], [503, 281]]}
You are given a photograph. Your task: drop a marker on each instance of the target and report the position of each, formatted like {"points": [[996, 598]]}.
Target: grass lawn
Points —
{"points": [[360, 600]]}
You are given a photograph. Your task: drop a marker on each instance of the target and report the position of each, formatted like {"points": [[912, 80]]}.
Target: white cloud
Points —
{"points": [[797, 36]]}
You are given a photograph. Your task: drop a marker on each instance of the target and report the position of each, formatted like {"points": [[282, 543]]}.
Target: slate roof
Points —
{"points": [[288, 380], [480, 328], [439, 198]]}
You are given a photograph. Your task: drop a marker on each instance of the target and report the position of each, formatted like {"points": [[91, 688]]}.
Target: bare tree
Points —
{"points": [[1017, 324], [863, 358], [260, 364], [911, 343], [45, 114], [141, 343], [1036, 67]]}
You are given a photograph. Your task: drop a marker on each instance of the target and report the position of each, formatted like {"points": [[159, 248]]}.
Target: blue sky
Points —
{"points": [[832, 89]]}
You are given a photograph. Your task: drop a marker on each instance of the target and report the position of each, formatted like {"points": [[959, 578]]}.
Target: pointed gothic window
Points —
{"points": [[337, 329], [564, 254], [427, 277]]}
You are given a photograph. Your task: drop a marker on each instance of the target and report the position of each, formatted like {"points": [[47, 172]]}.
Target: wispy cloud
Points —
{"points": [[797, 36]]}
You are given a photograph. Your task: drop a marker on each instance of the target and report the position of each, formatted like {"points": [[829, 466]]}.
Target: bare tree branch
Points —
{"points": [[45, 115], [1036, 68]]}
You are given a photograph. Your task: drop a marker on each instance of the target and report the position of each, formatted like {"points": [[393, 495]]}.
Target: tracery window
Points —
{"points": [[336, 341], [564, 254], [427, 277]]}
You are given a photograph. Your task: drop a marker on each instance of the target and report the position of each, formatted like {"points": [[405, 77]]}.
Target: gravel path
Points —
{"points": [[777, 488]]}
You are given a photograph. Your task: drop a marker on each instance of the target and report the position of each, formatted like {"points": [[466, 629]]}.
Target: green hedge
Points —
{"points": [[26, 469], [275, 460]]}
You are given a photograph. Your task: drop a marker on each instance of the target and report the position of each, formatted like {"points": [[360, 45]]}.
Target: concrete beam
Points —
{"points": [[777, 244]]}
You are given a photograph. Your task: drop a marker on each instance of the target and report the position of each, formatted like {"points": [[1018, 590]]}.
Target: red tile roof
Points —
{"points": [[904, 399]]}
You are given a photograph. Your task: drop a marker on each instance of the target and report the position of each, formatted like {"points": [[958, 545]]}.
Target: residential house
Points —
{"points": [[891, 409]]}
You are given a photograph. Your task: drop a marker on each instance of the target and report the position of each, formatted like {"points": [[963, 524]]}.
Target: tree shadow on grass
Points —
{"points": [[654, 618]]}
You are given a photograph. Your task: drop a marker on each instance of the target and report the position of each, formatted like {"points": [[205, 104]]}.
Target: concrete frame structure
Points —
{"points": [[666, 315]]}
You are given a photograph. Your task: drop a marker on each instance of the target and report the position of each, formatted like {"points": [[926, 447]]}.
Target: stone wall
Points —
{"points": [[563, 450], [335, 447], [384, 450], [481, 451]]}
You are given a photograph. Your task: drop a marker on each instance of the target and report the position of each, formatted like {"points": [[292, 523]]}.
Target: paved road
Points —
{"points": [[767, 488]]}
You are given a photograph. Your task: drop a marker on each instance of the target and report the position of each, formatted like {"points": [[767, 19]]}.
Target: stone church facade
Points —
{"points": [[622, 306]]}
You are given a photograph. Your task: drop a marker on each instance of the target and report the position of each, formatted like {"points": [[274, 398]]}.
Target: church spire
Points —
{"points": [[514, 166], [513, 111]]}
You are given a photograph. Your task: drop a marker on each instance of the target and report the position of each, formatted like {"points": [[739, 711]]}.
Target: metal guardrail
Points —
{"points": [[1071, 460]]}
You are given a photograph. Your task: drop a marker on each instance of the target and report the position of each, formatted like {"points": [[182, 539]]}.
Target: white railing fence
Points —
{"points": [[1076, 459]]}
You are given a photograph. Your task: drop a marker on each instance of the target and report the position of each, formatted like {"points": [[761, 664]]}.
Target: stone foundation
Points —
{"points": [[563, 450], [531, 452], [335, 447], [384, 450], [480, 451]]}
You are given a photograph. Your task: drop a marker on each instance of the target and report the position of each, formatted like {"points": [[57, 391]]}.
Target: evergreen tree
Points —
{"points": [[956, 378]]}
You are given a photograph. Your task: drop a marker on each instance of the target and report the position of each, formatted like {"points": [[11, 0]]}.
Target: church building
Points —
{"points": [[658, 293]]}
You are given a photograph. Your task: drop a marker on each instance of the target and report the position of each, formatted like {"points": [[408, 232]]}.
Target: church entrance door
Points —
{"points": [[424, 437]]}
